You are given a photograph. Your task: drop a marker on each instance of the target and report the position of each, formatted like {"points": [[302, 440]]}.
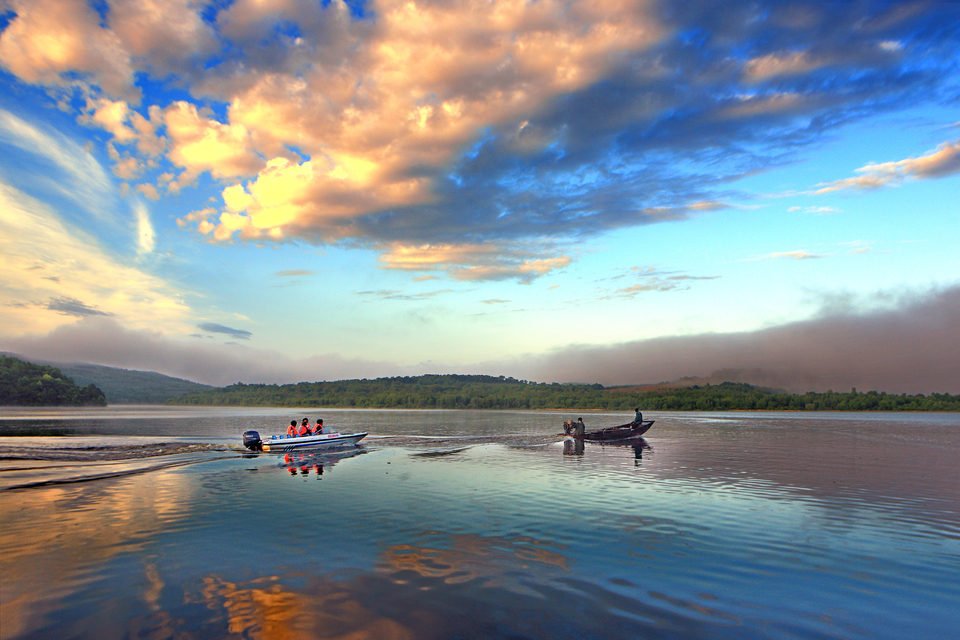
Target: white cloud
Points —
{"points": [[146, 236], [44, 260], [77, 175]]}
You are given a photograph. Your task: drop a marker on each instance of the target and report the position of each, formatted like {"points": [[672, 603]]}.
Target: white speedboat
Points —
{"points": [[284, 444]]}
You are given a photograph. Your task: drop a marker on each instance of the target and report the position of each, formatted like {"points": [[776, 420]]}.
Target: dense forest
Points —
{"points": [[27, 384], [487, 392]]}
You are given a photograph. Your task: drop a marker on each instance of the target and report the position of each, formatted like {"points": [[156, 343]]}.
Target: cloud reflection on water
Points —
{"points": [[50, 539]]}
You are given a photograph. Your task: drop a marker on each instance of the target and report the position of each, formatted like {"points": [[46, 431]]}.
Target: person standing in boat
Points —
{"points": [[292, 429], [319, 428], [637, 419], [579, 427]]}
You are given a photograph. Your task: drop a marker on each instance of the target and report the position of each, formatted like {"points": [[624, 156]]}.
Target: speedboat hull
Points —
{"points": [[285, 444]]}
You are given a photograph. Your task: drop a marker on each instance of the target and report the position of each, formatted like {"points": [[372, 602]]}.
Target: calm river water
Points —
{"points": [[449, 524]]}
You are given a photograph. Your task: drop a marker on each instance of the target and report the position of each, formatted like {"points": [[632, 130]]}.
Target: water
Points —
{"points": [[451, 524]]}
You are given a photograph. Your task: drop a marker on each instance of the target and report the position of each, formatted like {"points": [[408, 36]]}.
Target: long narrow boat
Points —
{"points": [[620, 432], [284, 444]]}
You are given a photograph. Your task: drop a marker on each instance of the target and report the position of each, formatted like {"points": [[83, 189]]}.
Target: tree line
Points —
{"points": [[27, 384], [488, 392]]}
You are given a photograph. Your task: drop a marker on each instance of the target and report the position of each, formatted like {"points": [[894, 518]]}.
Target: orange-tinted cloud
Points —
{"points": [[381, 124], [472, 262], [942, 162], [50, 39]]}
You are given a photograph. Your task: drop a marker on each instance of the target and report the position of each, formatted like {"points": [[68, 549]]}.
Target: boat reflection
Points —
{"points": [[302, 464], [575, 447]]}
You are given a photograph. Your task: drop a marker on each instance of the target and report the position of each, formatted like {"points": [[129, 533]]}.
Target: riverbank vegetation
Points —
{"points": [[27, 384], [487, 392]]}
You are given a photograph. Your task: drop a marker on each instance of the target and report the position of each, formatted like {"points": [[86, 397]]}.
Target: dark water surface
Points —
{"points": [[451, 524]]}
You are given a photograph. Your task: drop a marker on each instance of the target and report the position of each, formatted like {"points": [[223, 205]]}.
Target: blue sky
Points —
{"points": [[617, 192]]}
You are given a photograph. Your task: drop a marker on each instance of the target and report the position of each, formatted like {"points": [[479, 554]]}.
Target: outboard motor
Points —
{"points": [[251, 440]]}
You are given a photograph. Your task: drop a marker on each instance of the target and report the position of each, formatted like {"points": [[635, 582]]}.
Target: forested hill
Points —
{"points": [[487, 392], [124, 386], [27, 384]]}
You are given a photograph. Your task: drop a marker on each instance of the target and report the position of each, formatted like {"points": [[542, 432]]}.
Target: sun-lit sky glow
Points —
{"points": [[556, 191]]}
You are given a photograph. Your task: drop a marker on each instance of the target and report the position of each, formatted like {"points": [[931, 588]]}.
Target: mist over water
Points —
{"points": [[482, 525]]}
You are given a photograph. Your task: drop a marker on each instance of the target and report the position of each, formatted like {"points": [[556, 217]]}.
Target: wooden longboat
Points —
{"points": [[612, 434]]}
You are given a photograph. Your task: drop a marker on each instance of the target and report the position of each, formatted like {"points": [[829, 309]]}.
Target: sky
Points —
{"points": [[622, 192]]}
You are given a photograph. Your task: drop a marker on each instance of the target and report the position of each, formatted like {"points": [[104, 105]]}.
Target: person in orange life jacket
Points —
{"points": [[319, 428], [292, 429], [304, 429]]}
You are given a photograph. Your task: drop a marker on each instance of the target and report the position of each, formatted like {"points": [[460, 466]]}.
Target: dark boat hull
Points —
{"points": [[613, 434]]}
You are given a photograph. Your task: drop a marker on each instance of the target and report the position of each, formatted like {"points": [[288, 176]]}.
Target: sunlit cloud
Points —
{"points": [[799, 254], [51, 273], [472, 262], [505, 123], [50, 41], [942, 162], [782, 64]]}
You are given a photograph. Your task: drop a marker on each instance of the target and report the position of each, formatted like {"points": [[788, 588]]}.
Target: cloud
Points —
{"points": [[211, 327], [42, 258], [105, 341], [48, 41], [388, 294], [73, 307], [909, 346], [942, 162], [126, 125], [73, 173], [479, 124], [652, 279], [201, 144], [782, 64], [818, 211], [162, 36], [294, 273], [472, 262], [146, 236], [799, 254]]}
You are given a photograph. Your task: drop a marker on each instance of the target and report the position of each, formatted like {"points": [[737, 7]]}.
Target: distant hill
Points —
{"points": [[123, 386], [36, 385]]}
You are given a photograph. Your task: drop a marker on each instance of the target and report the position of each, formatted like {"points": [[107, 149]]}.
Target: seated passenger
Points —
{"points": [[319, 428], [304, 429], [292, 429]]}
